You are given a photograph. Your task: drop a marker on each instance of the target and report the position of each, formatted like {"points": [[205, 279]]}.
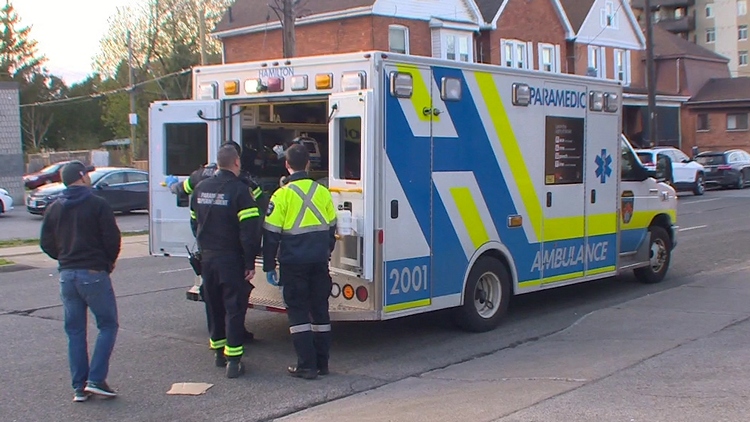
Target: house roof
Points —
{"points": [[489, 8], [244, 13], [668, 45], [577, 10], [723, 90]]}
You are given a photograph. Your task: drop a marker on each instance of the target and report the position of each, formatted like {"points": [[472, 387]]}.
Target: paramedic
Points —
{"points": [[301, 225], [222, 207]]}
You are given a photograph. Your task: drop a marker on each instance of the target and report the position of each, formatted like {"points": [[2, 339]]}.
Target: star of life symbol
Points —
{"points": [[603, 166]]}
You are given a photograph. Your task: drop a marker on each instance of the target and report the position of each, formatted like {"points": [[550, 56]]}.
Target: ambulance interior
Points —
{"points": [[269, 125]]}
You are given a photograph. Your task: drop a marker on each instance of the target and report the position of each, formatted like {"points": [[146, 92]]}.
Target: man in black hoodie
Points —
{"points": [[80, 232]]}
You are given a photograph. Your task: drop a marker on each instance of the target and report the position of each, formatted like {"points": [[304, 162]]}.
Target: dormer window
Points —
{"points": [[609, 15]]}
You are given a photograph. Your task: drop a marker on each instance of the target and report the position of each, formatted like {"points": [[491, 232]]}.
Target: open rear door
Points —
{"points": [[351, 180], [183, 135]]}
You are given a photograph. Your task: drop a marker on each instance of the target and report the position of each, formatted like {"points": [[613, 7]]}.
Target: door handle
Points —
{"points": [[549, 199], [394, 209], [593, 196], [653, 191]]}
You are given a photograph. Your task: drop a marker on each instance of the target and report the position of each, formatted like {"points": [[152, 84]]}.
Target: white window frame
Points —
{"points": [[405, 31], [741, 8], [542, 47], [515, 47], [713, 32], [742, 58], [457, 36], [736, 128], [742, 33], [609, 11], [599, 53], [710, 11], [622, 59]]}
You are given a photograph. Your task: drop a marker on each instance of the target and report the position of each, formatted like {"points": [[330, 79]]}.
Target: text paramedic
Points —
{"points": [[557, 97]]}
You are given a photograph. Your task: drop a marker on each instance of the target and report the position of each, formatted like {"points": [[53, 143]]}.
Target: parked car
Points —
{"points": [[728, 168], [49, 174], [125, 189], [6, 202], [687, 174]]}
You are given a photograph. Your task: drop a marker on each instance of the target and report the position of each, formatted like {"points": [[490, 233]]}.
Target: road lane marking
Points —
{"points": [[175, 271], [684, 229], [701, 200]]}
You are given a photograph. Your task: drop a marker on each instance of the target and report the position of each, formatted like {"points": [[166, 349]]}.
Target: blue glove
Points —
{"points": [[272, 278], [171, 180]]}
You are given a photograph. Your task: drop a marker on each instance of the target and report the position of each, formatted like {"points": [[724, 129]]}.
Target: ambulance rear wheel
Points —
{"points": [[486, 296], [660, 255]]}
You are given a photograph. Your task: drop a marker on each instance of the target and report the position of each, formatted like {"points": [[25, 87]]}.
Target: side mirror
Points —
{"points": [[663, 170], [102, 185]]}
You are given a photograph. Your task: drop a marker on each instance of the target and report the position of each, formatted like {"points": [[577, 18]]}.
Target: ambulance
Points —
{"points": [[457, 185]]}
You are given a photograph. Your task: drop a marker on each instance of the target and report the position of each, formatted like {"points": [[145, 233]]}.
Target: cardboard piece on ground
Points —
{"points": [[189, 388]]}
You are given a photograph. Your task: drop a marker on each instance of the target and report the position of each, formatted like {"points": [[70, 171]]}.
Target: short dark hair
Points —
{"points": [[226, 156], [297, 156], [232, 144]]}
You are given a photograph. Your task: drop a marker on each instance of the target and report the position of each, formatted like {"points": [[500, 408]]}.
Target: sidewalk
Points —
{"points": [[132, 247], [677, 355]]}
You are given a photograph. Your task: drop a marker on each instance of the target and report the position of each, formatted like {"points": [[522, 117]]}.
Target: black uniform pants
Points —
{"points": [[306, 291], [225, 293]]}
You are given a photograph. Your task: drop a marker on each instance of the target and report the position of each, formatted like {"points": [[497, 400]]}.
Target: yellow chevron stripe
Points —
{"points": [[467, 208]]}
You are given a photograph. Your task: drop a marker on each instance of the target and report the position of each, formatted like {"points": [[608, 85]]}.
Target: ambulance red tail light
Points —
{"points": [[361, 293], [381, 236], [275, 84]]}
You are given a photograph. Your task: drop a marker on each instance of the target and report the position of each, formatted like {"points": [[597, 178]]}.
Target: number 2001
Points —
{"points": [[408, 279]]}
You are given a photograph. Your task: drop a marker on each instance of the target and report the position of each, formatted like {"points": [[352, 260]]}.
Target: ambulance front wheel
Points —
{"points": [[660, 255], [486, 296]]}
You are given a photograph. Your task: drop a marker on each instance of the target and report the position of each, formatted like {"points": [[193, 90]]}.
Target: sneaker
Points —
{"points": [[80, 396], [308, 374], [100, 388], [235, 368]]}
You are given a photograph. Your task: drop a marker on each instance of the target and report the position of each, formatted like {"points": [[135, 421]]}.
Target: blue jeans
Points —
{"points": [[79, 290]]}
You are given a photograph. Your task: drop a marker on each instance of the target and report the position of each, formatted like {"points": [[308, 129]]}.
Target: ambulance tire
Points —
{"points": [[486, 296], [661, 246]]}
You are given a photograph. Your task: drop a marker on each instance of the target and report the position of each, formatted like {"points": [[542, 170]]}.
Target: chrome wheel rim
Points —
{"points": [[487, 295], [658, 255]]}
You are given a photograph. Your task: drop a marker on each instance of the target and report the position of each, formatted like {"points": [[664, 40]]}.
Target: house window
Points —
{"points": [[702, 122], [622, 67], [515, 54], [596, 66], [741, 8], [609, 15], [743, 58], [710, 10], [710, 35], [398, 39], [547, 59], [737, 121], [742, 32], [457, 47]]}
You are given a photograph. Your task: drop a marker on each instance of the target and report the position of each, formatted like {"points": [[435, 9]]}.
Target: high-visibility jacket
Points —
{"points": [[300, 224]]}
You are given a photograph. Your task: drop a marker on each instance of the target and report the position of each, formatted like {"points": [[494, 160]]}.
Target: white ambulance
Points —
{"points": [[465, 183]]}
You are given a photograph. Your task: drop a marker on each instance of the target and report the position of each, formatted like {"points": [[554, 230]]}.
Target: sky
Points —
{"points": [[68, 32]]}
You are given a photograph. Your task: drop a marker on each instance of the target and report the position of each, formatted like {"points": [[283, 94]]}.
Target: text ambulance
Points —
{"points": [[464, 183]]}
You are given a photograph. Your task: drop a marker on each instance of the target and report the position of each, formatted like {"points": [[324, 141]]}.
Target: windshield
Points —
{"points": [[50, 169], [711, 160], [646, 157], [97, 174]]}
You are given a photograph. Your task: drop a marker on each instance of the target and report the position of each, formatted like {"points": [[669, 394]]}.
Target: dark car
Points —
{"points": [[125, 189], [49, 174], [728, 168]]}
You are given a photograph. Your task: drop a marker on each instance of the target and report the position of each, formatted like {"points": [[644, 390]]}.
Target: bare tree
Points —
{"points": [[35, 123], [287, 11]]}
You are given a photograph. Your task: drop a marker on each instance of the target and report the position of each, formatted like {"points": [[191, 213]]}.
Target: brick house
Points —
{"points": [[682, 69], [250, 30], [512, 35], [720, 113]]}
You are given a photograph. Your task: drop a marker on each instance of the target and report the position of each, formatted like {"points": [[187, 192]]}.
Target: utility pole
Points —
{"points": [[289, 16], [202, 30], [133, 117], [650, 75]]}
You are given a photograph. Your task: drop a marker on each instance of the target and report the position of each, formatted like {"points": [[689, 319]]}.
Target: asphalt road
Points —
{"points": [[162, 337], [19, 224]]}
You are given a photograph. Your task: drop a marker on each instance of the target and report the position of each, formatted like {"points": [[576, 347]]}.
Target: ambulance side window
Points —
{"points": [[348, 148], [628, 164], [185, 147]]}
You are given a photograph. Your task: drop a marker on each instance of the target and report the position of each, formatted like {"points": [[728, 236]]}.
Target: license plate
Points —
{"points": [[32, 204]]}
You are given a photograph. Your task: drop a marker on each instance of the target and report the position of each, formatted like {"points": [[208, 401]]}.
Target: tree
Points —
{"points": [[19, 58], [36, 119], [287, 12]]}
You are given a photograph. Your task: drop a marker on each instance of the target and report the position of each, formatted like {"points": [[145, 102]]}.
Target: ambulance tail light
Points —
{"points": [[335, 290], [402, 84], [348, 292], [521, 95], [299, 83], [353, 81], [324, 81], [381, 236], [362, 293], [208, 91], [596, 101], [611, 102], [275, 84]]}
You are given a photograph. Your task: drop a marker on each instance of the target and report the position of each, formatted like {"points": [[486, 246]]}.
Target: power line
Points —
{"points": [[105, 93]]}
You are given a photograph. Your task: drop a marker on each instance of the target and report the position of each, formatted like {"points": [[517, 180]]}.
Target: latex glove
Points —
{"points": [[272, 278], [171, 180]]}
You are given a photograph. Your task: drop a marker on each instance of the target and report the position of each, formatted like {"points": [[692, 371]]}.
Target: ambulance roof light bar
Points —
{"points": [[208, 91], [611, 102], [353, 81], [521, 95]]}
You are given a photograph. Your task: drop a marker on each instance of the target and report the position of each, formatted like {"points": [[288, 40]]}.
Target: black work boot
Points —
{"points": [[308, 374], [221, 360], [235, 368]]}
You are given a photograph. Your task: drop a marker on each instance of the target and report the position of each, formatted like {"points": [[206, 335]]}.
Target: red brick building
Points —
{"points": [[719, 113]]}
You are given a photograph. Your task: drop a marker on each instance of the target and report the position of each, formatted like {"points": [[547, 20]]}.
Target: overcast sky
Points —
{"points": [[68, 31]]}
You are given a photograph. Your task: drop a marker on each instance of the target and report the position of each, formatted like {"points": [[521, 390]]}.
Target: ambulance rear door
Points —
{"points": [[183, 135]]}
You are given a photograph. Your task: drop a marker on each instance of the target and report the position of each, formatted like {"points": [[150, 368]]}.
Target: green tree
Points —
{"points": [[19, 57]]}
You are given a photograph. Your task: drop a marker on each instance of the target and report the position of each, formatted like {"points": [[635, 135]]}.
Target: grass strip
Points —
{"points": [[13, 243]]}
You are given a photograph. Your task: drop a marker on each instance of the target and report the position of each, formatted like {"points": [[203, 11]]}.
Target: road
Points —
{"points": [[163, 340], [19, 224]]}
